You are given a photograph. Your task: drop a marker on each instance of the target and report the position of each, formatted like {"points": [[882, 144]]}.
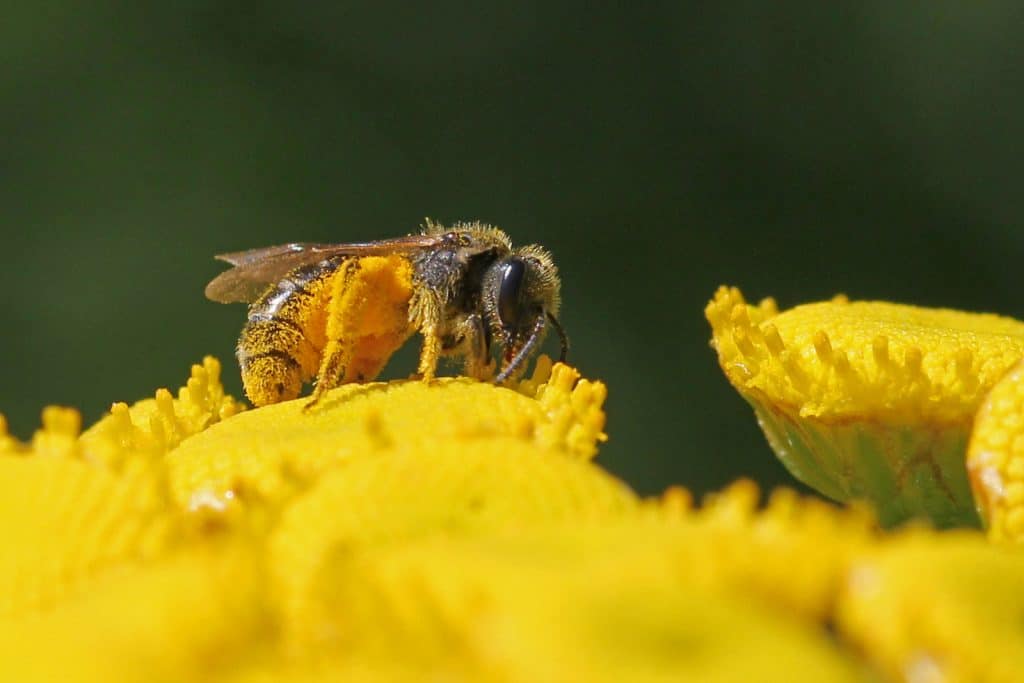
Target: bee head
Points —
{"points": [[520, 297]]}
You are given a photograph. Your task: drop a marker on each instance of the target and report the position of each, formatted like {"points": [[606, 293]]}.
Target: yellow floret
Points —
{"points": [[150, 428], [8, 444]]}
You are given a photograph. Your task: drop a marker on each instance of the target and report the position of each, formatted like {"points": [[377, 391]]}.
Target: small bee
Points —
{"points": [[337, 312]]}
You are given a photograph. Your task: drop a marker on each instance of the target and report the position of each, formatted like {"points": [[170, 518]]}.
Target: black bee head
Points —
{"points": [[520, 297]]}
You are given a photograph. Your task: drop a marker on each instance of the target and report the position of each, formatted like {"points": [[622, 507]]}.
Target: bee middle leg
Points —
{"points": [[471, 339], [336, 358]]}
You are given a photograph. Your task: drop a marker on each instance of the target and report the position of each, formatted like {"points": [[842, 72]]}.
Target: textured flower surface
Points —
{"points": [[995, 458], [454, 531], [869, 400]]}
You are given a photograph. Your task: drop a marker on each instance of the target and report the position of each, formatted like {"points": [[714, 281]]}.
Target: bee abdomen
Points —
{"points": [[275, 358]]}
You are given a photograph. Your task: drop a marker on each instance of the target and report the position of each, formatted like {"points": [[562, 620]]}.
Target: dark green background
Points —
{"points": [[795, 149]]}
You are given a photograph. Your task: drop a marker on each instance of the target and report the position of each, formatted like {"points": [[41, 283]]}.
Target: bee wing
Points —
{"points": [[254, 269]]}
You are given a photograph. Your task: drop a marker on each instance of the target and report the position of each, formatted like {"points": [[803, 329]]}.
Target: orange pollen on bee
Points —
{"points": [[375, 297], [356, 311]]}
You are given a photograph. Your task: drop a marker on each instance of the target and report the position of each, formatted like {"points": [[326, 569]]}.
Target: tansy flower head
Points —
{"points": [[269, 455], [995, 458], [868, 399]]}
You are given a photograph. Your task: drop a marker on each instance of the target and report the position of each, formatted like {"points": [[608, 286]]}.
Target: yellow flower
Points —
{"points": [[197, 614], [995, 458], [868, 400], [620, 600], [453, 530], [938, 607], [267, 456]]}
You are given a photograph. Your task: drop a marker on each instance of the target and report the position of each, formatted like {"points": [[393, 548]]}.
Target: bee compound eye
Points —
{"points": [[510, 291]]}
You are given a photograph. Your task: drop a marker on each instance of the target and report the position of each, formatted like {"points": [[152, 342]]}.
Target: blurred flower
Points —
{"points": [[448, 531], [868, 400], [937, 607], [995, 458]]}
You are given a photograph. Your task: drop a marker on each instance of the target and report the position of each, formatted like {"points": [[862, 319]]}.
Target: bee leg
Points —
{"points": [[479, 364], [337, 353], [429, 354], [336, 357], [425, 313]]}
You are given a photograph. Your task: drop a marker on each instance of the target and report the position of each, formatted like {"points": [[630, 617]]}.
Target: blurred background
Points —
{"points": [[795, 149]]}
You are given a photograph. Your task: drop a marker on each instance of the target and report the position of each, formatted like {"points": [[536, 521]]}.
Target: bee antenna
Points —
{"points": [[562, 336], [523, 353]]}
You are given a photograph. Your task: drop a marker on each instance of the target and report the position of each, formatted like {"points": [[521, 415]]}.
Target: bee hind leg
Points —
{"points": [[335, 358], [337, 353]]}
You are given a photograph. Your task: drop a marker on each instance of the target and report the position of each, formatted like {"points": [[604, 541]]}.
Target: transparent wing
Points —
{"points": [[254, 269]]}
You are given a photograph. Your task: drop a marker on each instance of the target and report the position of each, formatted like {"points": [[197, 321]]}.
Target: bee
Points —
{"points": [[337, 312]]}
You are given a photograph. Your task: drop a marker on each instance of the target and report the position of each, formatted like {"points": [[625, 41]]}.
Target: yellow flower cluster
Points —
{"points": [[452, 531]]}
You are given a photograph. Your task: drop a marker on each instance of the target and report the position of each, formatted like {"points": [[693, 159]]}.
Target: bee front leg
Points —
{"points": [[425, 314], [429, 354]]}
